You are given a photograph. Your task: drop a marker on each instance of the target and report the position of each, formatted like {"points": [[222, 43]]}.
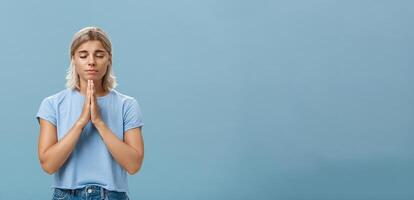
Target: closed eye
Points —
{"points": [[100, 55]]}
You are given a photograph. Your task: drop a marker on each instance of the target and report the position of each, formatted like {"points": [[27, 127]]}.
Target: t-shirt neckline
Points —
{"points": [[98, 98]]}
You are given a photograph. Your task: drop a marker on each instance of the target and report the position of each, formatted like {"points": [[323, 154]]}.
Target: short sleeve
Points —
{"points": [[132, 115], [47, 111]]}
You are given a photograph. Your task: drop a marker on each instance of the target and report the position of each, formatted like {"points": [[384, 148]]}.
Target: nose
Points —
{"points": [[91, 61]]}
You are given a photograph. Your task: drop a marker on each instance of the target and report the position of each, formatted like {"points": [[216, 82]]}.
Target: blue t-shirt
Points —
{"points": [[90, 161]]}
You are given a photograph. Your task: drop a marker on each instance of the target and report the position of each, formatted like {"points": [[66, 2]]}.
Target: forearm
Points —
{"points": [[56, 155], [128, 157]]}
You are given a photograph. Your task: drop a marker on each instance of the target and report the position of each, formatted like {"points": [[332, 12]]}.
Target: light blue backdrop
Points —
{"points": [[266, 100]]}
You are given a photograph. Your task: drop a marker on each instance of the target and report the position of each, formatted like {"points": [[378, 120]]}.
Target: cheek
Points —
{"points": [[82, 61], [78, 63], [104, 65], [78, 66], [103, 71]]}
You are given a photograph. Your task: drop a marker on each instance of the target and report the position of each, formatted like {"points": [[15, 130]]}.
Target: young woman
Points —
{"points": [[90, 134]]}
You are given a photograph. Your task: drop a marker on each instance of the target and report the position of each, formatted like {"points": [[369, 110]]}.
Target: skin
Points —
{"points": [[129, 153]]}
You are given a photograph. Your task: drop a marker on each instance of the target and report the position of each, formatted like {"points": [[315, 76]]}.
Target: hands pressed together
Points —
{"points": [[90, 111]]}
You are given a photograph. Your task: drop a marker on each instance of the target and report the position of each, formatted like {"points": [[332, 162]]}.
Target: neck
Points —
{"points": [[99, 91]]}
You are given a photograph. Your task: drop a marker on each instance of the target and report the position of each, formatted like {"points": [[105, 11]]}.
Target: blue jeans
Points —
{"points": [[89, 192]]}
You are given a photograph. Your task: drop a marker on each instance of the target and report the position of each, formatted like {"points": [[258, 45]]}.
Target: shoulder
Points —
{"points": [[123, 98], [57, 97], [128, 103]]}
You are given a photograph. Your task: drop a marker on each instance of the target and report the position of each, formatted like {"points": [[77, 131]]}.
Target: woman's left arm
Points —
{"points": [[128, 153]]}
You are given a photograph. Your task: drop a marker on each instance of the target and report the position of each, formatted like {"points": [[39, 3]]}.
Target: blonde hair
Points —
{"points": [[82, 36]]}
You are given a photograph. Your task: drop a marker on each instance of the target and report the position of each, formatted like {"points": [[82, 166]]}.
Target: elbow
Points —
{"points": [[50, 172], [44, 165], [133, 169], [46, 168]]}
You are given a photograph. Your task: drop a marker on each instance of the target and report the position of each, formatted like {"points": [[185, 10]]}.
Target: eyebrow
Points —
{"points": [[97, 51]]}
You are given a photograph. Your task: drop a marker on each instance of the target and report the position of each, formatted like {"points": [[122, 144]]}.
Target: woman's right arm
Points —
{"points": [[53, 154]]}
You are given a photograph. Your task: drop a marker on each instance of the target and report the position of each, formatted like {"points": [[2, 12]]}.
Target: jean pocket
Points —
{"points": [[59, 194]]}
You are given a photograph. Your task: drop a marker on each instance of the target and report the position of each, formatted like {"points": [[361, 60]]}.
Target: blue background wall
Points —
{"points": [[241, 99]]}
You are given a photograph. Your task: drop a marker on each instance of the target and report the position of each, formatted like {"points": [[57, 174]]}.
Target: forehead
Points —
{"points": [[91, 45]]}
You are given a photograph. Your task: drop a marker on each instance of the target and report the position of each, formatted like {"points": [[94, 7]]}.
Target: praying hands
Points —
{"points": [[90, 111]]}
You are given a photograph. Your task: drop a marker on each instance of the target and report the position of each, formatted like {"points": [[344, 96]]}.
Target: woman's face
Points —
{"points": [[91, 60]]}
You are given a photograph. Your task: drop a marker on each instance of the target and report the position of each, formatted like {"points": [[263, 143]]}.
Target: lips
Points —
{"points": [[91, 71]]}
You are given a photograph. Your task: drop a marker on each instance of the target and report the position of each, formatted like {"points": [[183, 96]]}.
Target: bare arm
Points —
{"points": [[128, 153], [53, 154]]}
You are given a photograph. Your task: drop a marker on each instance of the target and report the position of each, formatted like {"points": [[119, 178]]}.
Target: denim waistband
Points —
{"points": [[87, 191]]}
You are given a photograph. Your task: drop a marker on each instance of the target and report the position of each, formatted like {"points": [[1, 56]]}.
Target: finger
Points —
{"points": [[87, 91], [91, 95], [90, 91], [92, 101], [93, 90]]}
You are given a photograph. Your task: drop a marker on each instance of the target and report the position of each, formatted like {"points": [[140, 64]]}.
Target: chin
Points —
{"points": [[88, 77]]}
